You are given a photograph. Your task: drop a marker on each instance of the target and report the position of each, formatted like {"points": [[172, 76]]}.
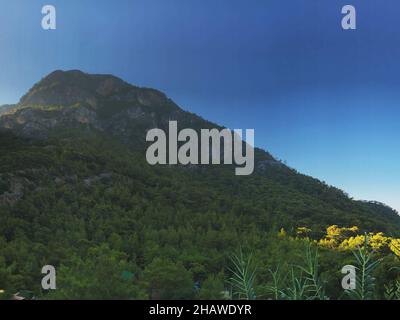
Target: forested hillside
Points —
{"points": [[76, 192]]}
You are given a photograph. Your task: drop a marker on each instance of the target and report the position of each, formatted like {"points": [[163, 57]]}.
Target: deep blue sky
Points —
{"points": [[325, 100]]}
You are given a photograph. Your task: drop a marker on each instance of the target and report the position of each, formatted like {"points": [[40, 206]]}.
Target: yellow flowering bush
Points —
{"points": [[339, 238], [378, 241], [328, 243], [303, 230], [353, 229], [282, 233], [333, 232], [394, 245], [352, 243]]}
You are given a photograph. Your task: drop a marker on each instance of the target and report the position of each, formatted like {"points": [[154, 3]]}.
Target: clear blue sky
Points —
{"points": [[325, 100]]}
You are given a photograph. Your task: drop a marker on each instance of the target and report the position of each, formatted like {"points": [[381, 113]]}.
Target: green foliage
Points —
{"points": [[163, 279], [277, 280], [314, 288], [365, 265], [392, 290], [243, 272], [304, 282], [212, 288], [83, 201], [296, 288], [99, 275]]}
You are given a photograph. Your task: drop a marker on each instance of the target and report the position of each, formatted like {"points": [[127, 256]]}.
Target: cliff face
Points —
{"points": [[102, 102], [71, 87]]}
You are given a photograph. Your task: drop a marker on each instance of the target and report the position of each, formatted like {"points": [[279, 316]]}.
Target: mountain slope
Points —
{"points": [[5, 108], [104, 103], [75, 188]]}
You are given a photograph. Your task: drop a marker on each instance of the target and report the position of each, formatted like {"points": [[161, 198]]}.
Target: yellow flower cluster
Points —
{"points": [[335, 232], [335, 236], [342, 239], [352, 243], [394, 245], [303, 230], [282, 233], [378, 241], [353, 229], [328, 243]]}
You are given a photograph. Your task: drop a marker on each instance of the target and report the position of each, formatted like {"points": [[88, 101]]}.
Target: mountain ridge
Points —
{"points": [[105, 103]]}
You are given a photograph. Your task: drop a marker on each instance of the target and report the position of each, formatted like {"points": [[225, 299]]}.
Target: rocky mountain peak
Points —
{"points": [[64, 88], [70, 99]]}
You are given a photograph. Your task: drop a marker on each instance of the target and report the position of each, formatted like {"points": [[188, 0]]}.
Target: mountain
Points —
{"points": [[105, 104], [5, 108], [75, 189]]}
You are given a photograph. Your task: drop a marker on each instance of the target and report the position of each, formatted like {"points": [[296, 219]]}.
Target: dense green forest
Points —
{"points": [[86, 201], [96, 210]]}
